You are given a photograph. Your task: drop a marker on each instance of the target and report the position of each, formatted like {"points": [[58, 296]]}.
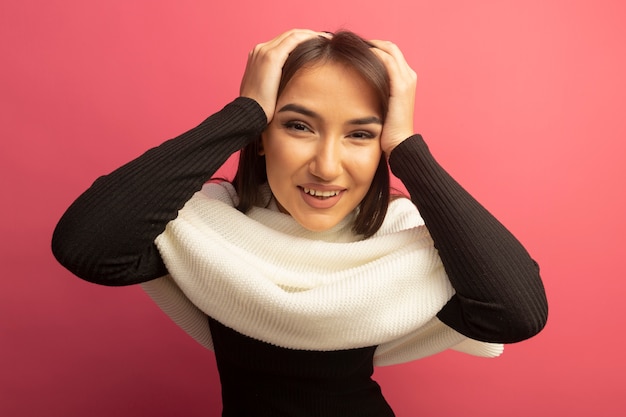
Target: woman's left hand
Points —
{"points": [[399, 121]]}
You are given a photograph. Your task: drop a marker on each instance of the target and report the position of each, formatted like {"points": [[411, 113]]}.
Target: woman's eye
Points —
{"points": [[362, 135], [295, 125]]}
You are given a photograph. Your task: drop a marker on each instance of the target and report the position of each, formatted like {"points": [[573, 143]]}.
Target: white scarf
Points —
{"points": [[267, 277]]}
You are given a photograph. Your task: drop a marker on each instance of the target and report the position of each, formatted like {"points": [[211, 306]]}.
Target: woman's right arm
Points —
{"points": [[107, 235]]}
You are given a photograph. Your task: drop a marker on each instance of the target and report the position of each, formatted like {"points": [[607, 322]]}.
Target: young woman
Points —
{"points": [[303, 273]]}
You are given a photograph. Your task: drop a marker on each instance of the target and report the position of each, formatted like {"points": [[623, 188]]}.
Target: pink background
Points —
{"points": [[522, 101]]}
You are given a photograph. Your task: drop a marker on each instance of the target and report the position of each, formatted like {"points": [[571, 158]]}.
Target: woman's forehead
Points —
{"points": [[323, 85]]}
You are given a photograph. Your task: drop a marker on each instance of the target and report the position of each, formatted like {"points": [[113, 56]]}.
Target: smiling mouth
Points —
{"points": [[321, 194]]}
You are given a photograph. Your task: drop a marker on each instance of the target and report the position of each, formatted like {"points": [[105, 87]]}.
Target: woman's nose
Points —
{"points": [[327, 163]]}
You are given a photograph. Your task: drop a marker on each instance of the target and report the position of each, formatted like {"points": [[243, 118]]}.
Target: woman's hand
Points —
{"points": [[264, 68], [399, 121]]}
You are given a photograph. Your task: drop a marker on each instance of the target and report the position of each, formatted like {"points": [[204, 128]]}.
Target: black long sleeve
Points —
{"points": [[499, 294], [107, 235]]}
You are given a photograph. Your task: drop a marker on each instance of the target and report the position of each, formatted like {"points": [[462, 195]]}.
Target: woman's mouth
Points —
{"points": [[321, 199]]}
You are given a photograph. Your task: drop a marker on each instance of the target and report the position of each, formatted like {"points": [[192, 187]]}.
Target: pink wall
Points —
{"points": [[522, 101]]}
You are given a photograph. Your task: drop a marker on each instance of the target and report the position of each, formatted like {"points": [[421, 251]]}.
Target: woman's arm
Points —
{"points": [[499, 294], [107, 235]]}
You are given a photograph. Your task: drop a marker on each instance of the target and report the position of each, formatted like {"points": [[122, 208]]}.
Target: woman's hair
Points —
{"points": [[351, 50]]}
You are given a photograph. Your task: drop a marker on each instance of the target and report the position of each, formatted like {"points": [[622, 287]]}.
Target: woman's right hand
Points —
{"points": [[264, 68]]}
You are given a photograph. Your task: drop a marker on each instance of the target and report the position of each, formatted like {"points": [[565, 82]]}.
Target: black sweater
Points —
{"points": [[107, 236]]}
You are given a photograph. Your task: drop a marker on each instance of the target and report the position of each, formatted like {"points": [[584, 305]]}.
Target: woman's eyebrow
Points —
{"points": [[366, 121], [299, 109], [310, 113]]}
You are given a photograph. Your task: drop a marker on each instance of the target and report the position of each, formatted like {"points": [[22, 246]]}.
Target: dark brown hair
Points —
{"points": [[344, 48]]}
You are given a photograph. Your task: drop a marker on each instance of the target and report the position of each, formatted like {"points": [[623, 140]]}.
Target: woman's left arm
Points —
{"points": [[499, 294]]}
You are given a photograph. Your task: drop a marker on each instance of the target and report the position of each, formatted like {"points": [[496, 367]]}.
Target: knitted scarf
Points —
{"points": [[265, 276]]}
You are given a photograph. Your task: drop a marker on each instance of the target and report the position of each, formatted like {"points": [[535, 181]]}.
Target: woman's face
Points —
{"points": [[322, 146]]}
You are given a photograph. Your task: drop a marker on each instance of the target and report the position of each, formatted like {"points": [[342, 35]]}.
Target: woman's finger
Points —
{"points": [[264, 67], [399, 121], [393, 58]]}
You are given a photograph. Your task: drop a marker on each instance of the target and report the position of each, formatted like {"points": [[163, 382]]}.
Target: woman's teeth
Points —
{"points": [[321, 194]]}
